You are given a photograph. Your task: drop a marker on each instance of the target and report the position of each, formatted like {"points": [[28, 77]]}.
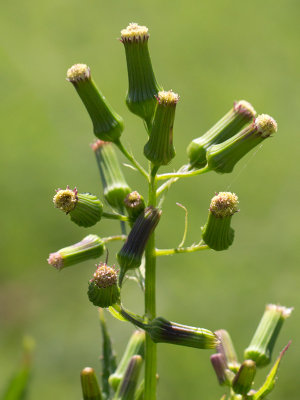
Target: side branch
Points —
{"points": [[195, 247]]}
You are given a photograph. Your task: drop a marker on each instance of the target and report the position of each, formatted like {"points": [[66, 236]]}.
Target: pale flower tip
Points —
{"points": [[167, 98], [55, 259], [284, 311], [134, 31], [245, 108], [66, 199], [266, 125], [78, 72], [224, 204], [98, 144]]}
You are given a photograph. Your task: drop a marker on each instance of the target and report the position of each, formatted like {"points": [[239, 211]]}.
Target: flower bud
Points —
{"points": [[159, 149], [163, 331], [130, 256], [135, 346], [127, 387], [143, 87], [90, 247], [243, 380], [135, 205], [115, 188], [224, 375], [89, 385], [232, 122], [223, 157], [263, 341], [217, 232], [108, 125], [227, 350], [103, 288], [85, 209]]}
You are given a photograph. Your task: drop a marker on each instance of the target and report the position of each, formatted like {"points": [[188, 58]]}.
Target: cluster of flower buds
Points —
{"points": [[90, 247], [114, 185], [130, 255], [85, 209], [217, 232], [143, 87], [103, 288], [240, 377], [107, 124]]}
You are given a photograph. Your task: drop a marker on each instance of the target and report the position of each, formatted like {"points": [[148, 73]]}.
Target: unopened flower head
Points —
{"points": [[89, 384], [142, 85], [78, 72], [223, 157], [107, 124], [265, 336], [226, 349], [135, 204], [230, 124], [160, 149], [134, 31], [103, 287], [115, 187], [220, 367], [217, 232], [244, 378], [127, 387], [90, 247], [66, 199]]}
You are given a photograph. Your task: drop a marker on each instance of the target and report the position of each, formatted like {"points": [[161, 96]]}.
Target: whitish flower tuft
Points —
{"points": [[134, 31], [78, 72], [66, 199], [245, 108], [167, 98], [224, 204], [105, 276], [266, 125]]}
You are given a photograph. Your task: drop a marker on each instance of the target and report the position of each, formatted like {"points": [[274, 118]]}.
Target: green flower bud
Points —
{"points": [[163, 331], [89, 385], [263, 341], [159, 149], [135, 205], [108, 125], [224, 375], [223, 157], [115, 188], [243, 380], [85, 209], [90, 247], [232, 122], [130, 256], [103, 288], [227, 350], [127, 387], [217, 232], [135, 346], [143, 87]]}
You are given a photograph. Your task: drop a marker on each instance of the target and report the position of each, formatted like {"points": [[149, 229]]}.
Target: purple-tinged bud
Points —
{"points": [[143, 87], [243, 380], [127, 386], [135, 205], [130, 255], [163, 331], [114, 185], [224, 375], [108, 125], [217, 232], [232, 122], [90, 247], [89, 385], [223, 157], [103, 288], [159, 149], [227, 350], [85, 209], [265, 336]]}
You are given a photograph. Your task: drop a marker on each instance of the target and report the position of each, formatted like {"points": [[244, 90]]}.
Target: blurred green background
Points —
{"points": [[211, 53]]}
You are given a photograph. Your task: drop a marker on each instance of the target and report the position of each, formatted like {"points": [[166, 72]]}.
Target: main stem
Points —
{"points": [[150, 300]]}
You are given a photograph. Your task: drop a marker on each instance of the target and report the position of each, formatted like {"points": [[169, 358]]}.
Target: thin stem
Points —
{"points": [[183, 174], [131, 159], [114, 238], [119, 217], [169, 183], [195, 247], [150, 299]]}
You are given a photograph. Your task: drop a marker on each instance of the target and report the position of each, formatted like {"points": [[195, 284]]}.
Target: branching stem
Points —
{"points": [[131, 159]]}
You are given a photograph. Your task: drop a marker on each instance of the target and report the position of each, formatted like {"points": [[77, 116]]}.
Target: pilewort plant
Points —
{"points": [[217, 151]]}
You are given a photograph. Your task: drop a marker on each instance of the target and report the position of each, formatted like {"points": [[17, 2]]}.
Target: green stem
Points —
{"points": [[131, 159], [183, 174], [119, 217], [114, 238], [150, 300], [166, 252]]}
